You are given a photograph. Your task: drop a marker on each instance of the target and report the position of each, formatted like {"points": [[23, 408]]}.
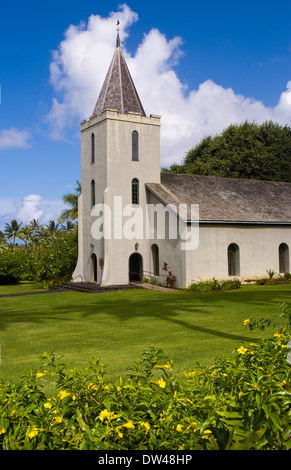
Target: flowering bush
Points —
{"points": [[215, 285], [238, 403]]}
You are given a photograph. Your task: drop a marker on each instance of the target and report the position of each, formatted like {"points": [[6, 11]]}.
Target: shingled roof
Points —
{"points": [[118, 90], [227, 200]]}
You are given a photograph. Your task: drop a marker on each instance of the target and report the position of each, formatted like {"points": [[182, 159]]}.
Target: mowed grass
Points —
{"points": [[118, 327]]}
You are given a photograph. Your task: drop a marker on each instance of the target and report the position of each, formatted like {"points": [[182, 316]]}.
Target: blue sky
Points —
{"points": [[201, 65]]}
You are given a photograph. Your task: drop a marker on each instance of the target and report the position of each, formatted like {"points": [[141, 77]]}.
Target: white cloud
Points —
{"points": [[13, 138], [79, 66], [30, 207]]}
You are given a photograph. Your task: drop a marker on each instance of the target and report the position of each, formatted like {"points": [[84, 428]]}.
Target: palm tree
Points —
{"points": [[12, 230], [2, 241], [36, 232], [51, 228], [25, 234], [71, 199], [68, 226]]}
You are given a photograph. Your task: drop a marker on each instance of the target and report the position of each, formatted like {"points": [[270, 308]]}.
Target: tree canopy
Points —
{"points": [[247, 150]]}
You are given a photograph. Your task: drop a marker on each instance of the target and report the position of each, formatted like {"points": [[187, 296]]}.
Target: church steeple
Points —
{"points": [[118, 90]]}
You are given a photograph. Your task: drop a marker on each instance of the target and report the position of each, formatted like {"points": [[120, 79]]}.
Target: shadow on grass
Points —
{"points": [[125, 306]]}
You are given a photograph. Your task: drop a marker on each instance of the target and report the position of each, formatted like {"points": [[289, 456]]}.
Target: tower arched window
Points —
{"points": [[92, 193], [283, 258], [155, 258], [135, 191], [134, 141], [92, 147], [233, 260]]}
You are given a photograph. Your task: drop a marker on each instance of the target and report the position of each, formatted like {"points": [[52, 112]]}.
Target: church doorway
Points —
{"points": [[93, 274], [135, 267]]}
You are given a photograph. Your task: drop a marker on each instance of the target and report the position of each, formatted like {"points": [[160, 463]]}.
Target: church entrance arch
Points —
{"points": [[93, 274], [135, 267]]}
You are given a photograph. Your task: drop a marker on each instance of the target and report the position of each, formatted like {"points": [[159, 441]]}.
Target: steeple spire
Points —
{"points": [[117, 40], [117, 37], [118, 90]]}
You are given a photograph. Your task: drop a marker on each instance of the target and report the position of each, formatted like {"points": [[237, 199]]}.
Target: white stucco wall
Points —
{"points": [[113, 171], [258, 250]]}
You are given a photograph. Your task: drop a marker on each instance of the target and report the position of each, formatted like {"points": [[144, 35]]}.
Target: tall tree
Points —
{"points": [[25, 234], [71, 199], [12, 231], [246, 150], [51, 229]]}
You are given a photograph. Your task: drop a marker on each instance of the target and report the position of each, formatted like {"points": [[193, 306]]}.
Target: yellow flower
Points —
{"points": [[165, 366], [39, 374], [33, 433], [58, 419], [277, 335], [242, 350], [161, 383], [48, 405], [63, 394], [129, 424], [179, 427], [105, 414], [146, 425], [2, 430], [206, 434], [247, 321], [107, 387], [255, 386], [91, 386], [74, 397]]}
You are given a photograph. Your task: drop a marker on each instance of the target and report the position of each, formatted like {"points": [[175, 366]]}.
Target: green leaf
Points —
{"points": [[276, 421], [250, 440], [229, 414]]}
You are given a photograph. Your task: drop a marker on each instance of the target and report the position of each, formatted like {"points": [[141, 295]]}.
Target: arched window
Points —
{"points": [[134, 140], [233, 260], [92, 148], [92, 193], [135, 191], [93, 272], [156, 262], [283, 258]]}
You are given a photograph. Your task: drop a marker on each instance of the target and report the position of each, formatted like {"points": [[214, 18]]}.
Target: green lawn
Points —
{"points": [[117, 327], [21, 288]]}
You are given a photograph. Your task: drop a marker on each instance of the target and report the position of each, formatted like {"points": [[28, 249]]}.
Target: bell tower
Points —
{"points": [[120, 154]]}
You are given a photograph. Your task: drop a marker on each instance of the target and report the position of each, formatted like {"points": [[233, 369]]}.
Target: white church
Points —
{"points": [[132, 218]]}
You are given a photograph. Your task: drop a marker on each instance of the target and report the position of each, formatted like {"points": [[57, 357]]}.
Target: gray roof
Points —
{"points": [[118, 90], [227, 199]]}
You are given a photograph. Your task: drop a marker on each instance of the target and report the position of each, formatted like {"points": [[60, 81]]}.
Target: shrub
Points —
{"points": [[214, 285], [56, 259], [239, 403], [14, 265], [285, 279]]}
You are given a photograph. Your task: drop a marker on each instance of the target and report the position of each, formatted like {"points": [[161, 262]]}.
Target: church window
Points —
{"points": [[92, 193], [134, 140], [135, 191], [283, 258], [155, 257], [233, 260], [92, 147]]}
